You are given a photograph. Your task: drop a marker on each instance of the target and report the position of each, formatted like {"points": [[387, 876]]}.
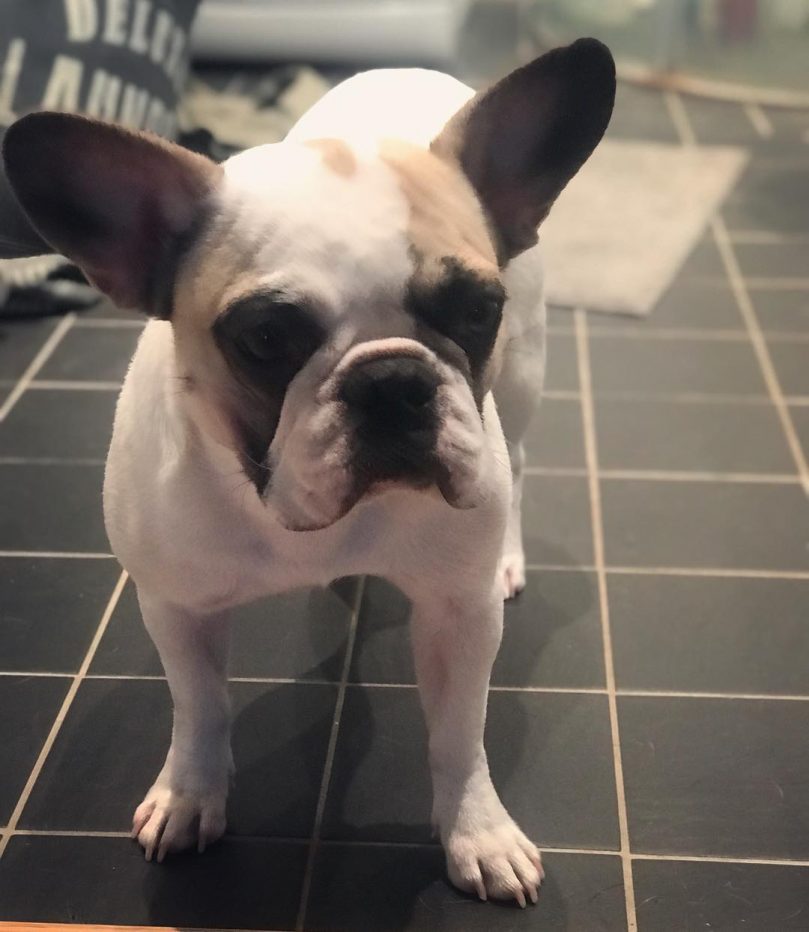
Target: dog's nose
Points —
{"points": [[391, 394]]}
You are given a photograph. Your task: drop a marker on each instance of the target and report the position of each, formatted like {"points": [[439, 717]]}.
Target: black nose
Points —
{"points": [[391, 394]]}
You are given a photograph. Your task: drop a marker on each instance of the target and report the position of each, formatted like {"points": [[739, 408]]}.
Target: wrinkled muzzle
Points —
{"points": [[392, 414]]}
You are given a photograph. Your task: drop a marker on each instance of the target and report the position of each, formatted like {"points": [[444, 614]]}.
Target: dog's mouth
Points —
{"points": [[442, 488]]}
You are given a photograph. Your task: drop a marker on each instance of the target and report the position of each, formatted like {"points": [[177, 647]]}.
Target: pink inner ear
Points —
{"points": [[113, 201]]}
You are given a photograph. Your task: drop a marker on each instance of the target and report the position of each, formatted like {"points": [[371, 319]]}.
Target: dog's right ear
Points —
{"points": [[123, 206], [521, 141]]}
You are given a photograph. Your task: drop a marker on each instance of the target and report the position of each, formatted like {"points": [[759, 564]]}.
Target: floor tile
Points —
{"points": [[106, 310], [550, 757], [50, 611], [791, 361], [703, 262], [55, 508], [710, 524], [20, 341], [790, 125], [781, 310], [770, 197], [718, 123], [404, 888], [694, 634], [556, 520], [300, 635], [28, 706], [555, 437], [640, 114], [116, 735], [697, 305], [65, 424], [562, 373], [98, 354], [772, 260], [716, 776], [242, 883], [689, 304], [652, 367], [800, 420], [677, 895], [667, 435], [551, 636]]}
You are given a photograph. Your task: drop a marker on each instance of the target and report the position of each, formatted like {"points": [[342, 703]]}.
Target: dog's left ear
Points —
{"points": [[122, 205], [521, 141]]}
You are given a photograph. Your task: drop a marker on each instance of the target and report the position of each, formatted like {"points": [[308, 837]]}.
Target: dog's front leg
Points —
{"points": [[455, 641], [186, 805]]}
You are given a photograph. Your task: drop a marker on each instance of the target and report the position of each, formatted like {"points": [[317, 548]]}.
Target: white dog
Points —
{"points": [[342, 323]]}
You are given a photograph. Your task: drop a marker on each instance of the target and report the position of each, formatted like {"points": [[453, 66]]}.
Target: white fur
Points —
{"points": [[198, 541]]}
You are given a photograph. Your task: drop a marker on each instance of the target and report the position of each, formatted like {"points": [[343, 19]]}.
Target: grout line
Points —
{"points": [[722, 572], [719, 859], [679, 118], [54, 555], [765, 282], [759, 120], [68, 385], [408, 845], [667, 475], [591, 451], [768, 238], [760, 348], [663, 475], [37, 363], [14, 818], [678, 694], [49, 461], [555, 471], [720, 234], [556, 690], [68, 833], [314, 844], [684, 334], [682, 397]]}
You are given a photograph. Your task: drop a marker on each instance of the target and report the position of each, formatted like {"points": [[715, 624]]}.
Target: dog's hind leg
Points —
{"points": [[516, 394], [186, 805]]}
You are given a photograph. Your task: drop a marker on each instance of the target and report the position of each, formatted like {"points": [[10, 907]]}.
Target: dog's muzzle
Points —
{"points": [[391, 408]]}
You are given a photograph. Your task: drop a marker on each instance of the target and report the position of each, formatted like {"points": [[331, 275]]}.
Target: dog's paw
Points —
{"points": [[168, 821], [498, 862], [512, 573]]}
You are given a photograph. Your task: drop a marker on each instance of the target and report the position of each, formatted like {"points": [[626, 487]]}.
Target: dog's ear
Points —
{"points": [[123, 206], [521, 141]]}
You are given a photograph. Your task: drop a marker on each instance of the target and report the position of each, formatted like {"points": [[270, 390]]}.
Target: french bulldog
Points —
{"points": [[345, 346]]}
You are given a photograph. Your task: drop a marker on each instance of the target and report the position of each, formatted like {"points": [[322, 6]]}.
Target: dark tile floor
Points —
{"points": [[649, 714]]}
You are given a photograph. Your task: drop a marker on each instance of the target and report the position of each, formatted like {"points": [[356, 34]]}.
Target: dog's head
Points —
{"points": [[336, 308]]}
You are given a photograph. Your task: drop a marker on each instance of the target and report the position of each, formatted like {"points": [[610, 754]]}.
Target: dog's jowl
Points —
{"points": [[346, 345]]}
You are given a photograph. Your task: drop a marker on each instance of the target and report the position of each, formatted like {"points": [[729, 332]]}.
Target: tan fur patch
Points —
{"points": [[445, 216], [336, 155], [446, 220]]}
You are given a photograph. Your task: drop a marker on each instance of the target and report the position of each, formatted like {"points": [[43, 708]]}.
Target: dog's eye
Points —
{"points": [[264, 342], [483, 314]]}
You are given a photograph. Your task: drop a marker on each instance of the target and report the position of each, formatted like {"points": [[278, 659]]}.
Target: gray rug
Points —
{"points": [[623, 227]]}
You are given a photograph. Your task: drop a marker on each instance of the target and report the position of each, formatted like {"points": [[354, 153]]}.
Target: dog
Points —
{"points": [[345, 347]]}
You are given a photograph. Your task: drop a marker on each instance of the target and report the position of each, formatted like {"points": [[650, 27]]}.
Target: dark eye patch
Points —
{"points": [[462, 306], [268, 338], [265, 339]]}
